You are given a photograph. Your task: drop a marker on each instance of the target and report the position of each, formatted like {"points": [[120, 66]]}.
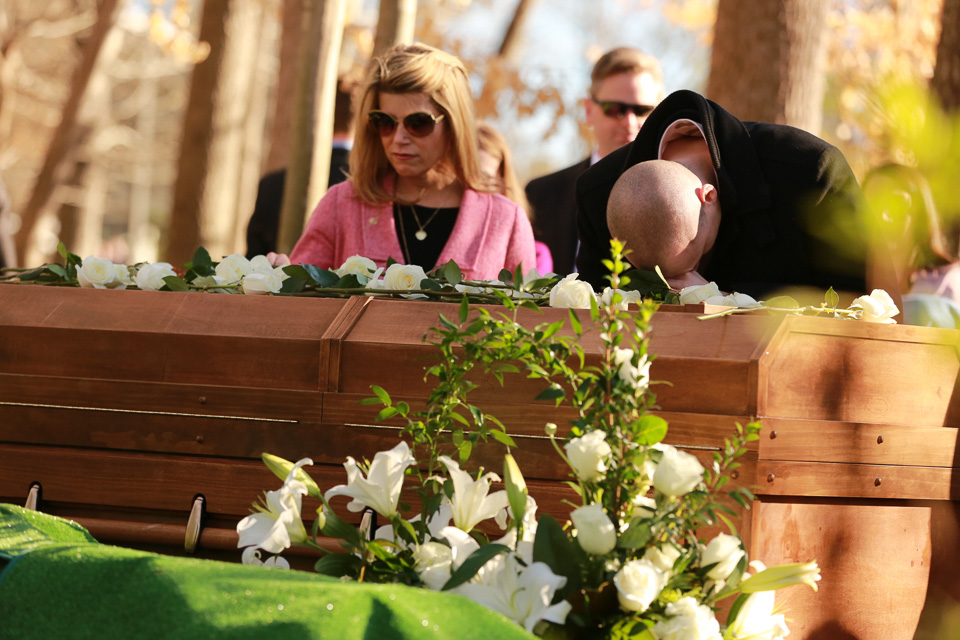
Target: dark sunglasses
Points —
{"points": [[419, 125], [619, 110]]}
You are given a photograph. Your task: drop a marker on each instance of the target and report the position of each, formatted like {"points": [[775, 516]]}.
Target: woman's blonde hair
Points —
{"points": [[506, 181], [416, 68]]}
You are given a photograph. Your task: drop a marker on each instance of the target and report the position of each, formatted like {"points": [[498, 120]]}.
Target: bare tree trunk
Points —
{"points": [[946, 75], [142, 247], [184, 227], [507, 54], [60, 144], [257, 117], [767, 62], [301, 146], [395, 25], [331, 38], [292, 30], [224, 194], [512, 40]]}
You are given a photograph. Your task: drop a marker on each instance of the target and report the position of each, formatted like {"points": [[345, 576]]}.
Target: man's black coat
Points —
{"points": [[789, 203], [264, 225], [553, 198]]}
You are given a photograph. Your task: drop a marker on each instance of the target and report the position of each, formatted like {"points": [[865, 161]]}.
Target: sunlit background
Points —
{"points": [[112, 191]]}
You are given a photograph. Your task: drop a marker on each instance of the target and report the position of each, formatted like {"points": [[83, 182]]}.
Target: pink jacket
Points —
{"points": [[491, 233]]}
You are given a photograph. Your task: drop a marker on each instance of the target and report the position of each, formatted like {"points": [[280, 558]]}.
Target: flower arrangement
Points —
{"points": [[361, 276], [629, 562]]}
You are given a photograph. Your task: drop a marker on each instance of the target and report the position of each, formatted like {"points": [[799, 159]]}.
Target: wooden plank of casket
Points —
{"points": [[820, 369], [863, 443], [782, 478], [165, 337], [875, 559], [121, 480], [713, 371]]}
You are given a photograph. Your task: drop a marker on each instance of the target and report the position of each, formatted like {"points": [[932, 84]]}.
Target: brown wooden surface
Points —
{"points": [[125, 405], [874, 558]]}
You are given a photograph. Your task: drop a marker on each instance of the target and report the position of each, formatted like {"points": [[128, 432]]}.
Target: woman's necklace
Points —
{"points": [[421, 233]]}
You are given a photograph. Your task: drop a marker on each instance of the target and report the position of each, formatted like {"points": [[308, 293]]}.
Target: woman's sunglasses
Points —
{"points": [[419, 125], [619, 110]]}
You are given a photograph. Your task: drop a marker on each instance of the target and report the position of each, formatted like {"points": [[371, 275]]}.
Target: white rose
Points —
{"points": [[663, 558], [97, 273], [150, 276], [260, 264], [259, 284], [697, 293], [121, 277], [736, 300], [724, 550], [595, 531], [626, 297], [433, 564], [688, 620], [403, 277], [757, 620], [359, 266], [877, 307], [636, 376], [677, 473], [232, 268], [571, 293], [638, 583], [644, 507], [588, 455]]}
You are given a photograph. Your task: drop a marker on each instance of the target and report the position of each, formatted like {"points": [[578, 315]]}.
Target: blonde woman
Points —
{"points": [[415, 191]]}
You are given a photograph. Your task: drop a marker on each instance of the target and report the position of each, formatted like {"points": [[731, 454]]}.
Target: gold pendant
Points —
{"points": [[421, 235]]}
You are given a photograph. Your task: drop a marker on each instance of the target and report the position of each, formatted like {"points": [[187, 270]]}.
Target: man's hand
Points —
{"points": [[278, 259], [688, 279]]}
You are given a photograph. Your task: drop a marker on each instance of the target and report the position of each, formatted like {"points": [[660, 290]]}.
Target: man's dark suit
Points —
{"points": [[553, 198], [781, 190], [265, 222]]}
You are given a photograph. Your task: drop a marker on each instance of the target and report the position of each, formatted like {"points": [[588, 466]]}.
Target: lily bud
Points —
{"points": [[782, 576], [516, 487], [281, 468]]}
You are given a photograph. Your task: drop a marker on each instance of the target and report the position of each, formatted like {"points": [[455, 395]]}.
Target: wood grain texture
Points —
{"points": [[854, 442], [820, 369], [875, 562], [777, 478]]}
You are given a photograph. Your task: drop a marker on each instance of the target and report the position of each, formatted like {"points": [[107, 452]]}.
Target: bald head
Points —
{"points": [[655, 209]]}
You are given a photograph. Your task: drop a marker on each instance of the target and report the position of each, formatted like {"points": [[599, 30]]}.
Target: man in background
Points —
{"points": [[625, 86], [265, 222]]}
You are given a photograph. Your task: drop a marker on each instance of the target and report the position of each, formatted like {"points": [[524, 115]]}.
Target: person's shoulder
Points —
{"points": [[496, 202], [782, 139], [567, 174]]}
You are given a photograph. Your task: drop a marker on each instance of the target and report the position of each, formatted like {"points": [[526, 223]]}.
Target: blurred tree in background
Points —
{"points": [[188, 102]]}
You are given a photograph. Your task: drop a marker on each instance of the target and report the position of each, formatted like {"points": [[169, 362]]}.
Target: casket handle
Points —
{"points": [[194, 524], [33, 496]]}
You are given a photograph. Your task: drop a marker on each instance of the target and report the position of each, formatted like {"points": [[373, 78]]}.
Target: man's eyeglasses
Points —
{"points": [[619, 110], [419, 125]]}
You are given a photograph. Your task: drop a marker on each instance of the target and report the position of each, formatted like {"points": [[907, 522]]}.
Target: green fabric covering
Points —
{"points": [[59, 583]]}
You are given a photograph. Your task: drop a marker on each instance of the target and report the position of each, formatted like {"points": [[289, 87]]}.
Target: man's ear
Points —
{"points": [[707, 193]]}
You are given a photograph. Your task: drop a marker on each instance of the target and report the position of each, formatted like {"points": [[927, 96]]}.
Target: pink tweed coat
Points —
{"points": [[491, 233]]}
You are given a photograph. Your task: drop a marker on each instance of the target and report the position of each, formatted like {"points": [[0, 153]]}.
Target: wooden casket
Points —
{"points": [[142, 415]]}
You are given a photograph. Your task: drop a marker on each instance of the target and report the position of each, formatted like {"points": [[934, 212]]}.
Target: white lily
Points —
{"points": [[278, 524], [251, 556], [523, 594], [756, 619], [380, 490], [471, 503]]}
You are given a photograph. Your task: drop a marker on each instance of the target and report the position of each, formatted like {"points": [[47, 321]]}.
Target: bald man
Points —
{"points": [[775, 207], [666, 217]]}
